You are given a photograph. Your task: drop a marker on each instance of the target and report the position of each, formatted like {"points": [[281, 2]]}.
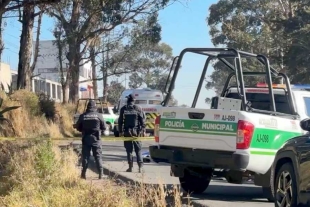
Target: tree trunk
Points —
{"points": [[25, 51], [105, 85], [94, 73], [1, 42], [65, 93], [74, 72], [36, 47]]}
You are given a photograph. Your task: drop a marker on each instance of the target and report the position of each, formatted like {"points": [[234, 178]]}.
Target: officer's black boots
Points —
{"points": [[83, 174], [141, 170], [100, 173], [130, 167]]}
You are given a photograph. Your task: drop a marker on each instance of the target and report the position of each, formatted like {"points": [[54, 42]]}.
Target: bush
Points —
{"points": [[47, 107], [29, 101], [38, 116]]}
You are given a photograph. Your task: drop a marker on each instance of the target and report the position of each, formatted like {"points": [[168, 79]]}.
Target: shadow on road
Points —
{"points": [[108, 158], [231, 193]]}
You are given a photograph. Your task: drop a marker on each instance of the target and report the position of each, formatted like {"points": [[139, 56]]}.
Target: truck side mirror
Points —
{"points": [[305, 124], [214, 102]]}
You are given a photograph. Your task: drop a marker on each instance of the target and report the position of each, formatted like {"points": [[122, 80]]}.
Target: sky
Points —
{"points": [[183, 26]]}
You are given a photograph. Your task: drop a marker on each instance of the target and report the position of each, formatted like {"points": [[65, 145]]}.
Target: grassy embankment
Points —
{"points": [[38, 174]]}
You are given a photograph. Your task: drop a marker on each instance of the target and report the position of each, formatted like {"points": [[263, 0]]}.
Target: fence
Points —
{"points": [[39, 85]]}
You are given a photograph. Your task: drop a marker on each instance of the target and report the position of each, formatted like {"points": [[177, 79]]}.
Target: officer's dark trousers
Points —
{"points": [[97, 153], [133, 145]]}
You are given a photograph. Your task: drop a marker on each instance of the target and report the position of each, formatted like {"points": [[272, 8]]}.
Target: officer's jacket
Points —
{"points": [[91, 123], [131, 116]]}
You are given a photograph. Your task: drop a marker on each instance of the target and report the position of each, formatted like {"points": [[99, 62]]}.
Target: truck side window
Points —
{"points": [[307, 104]]}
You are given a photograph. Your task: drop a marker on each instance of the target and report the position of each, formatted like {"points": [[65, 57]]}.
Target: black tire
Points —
{"points": [[116, 133], [193, 184], [268, 194], [286, 172]]}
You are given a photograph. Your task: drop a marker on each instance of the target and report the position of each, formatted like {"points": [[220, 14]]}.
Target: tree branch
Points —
{"points": [[29, 2], [36, 52], [125, 19]]}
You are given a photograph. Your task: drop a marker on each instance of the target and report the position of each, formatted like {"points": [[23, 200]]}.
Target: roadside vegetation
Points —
{"points": [[37, 117], [40, 174]]}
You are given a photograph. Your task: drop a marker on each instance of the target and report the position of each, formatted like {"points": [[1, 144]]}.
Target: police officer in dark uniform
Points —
{"points": [[131, 123], [91, 124]]}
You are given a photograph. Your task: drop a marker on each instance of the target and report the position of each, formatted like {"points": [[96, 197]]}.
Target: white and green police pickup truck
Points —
{"points": [[241, 143], [239, 136]]}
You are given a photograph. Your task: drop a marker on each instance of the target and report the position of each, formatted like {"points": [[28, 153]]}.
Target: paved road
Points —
{"points": [[219, 193]]}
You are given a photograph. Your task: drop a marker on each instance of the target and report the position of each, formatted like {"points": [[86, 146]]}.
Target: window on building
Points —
{"points": [[48, 89], [14, 82], [37, 86], [42, 86], [59, 92], [53, 91]]}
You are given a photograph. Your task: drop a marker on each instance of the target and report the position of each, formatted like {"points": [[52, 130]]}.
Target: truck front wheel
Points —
{"points": [[194, 184]]}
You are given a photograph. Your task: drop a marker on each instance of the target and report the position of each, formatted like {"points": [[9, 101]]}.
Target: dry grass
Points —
{"points": [[29, 122], [40, 175]]}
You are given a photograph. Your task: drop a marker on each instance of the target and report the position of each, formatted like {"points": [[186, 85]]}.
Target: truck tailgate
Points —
{"points": [[198, 128]]}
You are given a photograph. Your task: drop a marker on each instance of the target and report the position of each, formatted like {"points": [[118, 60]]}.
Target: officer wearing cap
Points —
{"points": [[91, 124], [131, 123]]}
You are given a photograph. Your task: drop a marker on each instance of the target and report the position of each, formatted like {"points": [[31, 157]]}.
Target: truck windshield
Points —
{"points": [[261, 101], [155, 102], [103, 110]]}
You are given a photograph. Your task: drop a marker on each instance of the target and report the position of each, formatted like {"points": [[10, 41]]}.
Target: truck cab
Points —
{"points": [[258, 96]]}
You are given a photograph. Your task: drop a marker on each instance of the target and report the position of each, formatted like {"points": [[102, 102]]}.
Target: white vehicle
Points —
{"points": [[109, 116], [107, 112], [239, 135], [149, 100]]}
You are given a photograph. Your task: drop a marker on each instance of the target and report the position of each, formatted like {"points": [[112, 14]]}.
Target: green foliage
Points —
{"points": [[45, 160], [29, 101], [151, 64], [255, 26], [114, 92]]}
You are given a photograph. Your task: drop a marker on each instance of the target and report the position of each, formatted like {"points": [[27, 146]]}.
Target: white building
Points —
{"points": [[5, 76], [51, 88], [48, 67]]}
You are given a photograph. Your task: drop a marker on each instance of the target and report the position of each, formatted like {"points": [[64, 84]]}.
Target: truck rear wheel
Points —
{"points": [[116, 133], [194, 184]]}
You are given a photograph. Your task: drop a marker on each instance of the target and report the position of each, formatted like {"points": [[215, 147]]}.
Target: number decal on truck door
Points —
{"points": [[262, 138], [228, 118]]}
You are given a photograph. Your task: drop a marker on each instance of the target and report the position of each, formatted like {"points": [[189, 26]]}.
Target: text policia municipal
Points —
{"points": [[203, 126]]}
